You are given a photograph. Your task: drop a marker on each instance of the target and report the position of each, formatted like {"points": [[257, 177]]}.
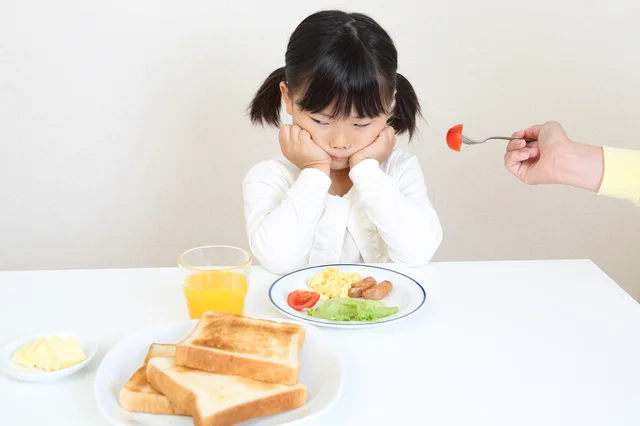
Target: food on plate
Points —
{"points": [[332, 283], [356, 289], [242, 346], [22, 355], [370, 289], [221, 400], [230, 369], [301, 299], [378, 291], [454, 137], [349, 309], [159, 349], [139, 396], [338, 297], [51, 354]]}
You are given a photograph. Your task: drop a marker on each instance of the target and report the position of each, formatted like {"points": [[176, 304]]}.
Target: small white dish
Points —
{"points": [[34, 374], [407, 294], [321, 371]]}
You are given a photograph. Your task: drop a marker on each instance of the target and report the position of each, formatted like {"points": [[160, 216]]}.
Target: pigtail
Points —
{"points": [[265, 106], [406, 109]]}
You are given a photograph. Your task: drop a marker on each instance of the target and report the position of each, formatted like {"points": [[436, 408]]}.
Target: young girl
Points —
{"points": [[341, 193]]}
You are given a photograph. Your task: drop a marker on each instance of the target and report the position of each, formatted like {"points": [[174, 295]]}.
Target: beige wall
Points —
{"points": [[124, 141]]}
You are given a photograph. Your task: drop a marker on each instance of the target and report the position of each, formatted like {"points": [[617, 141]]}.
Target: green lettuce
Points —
{"points": [[348, 309]]}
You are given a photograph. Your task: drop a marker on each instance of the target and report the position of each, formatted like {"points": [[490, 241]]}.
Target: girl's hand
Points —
{"points": [[298, 147], [380, 149]]}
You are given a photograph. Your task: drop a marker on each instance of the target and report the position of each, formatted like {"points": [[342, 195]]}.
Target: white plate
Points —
{"points": [[27, 374], [321, 371], [407, 294]]}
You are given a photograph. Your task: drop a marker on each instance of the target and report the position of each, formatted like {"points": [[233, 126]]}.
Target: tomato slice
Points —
{"points": [[454, 137], [302, 299]]}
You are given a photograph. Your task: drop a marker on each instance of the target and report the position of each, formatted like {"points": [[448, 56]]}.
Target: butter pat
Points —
{"points": [[42, 357], [50, 355], [66, 353], [20, 356], [29, 353]]}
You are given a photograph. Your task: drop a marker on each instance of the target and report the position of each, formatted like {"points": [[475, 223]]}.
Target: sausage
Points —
{"points": [[378, 291], [356, 289]]}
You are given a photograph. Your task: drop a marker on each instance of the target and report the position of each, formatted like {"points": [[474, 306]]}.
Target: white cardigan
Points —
{"points": [[292, 221]]}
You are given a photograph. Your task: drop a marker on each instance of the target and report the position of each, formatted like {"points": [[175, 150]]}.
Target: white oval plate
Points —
{"points": [[27, 374], [321, 371], [407, 294]]}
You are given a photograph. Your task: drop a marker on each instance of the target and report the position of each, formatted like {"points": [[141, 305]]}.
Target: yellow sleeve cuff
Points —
{"points": [[621, 174]]}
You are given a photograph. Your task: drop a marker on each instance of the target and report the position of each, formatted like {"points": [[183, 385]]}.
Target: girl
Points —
{"points": [[341, 193]]}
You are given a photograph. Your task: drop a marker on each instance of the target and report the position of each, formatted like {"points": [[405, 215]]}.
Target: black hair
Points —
{"points": [[343, 61]]}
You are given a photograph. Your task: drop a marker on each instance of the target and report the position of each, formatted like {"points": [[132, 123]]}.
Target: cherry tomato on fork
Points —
{"points": [[301, 299], [454, 137]]}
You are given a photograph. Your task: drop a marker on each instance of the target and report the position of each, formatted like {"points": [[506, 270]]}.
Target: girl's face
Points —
{"points": [[340, 138]]}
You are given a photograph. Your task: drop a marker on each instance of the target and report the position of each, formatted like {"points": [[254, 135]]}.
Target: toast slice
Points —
{"points": [[221, 400], [138, 395], [241, 346], [160, 349]]}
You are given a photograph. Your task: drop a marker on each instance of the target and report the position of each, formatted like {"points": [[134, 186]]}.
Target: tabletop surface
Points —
{"points": [[497, 343]]}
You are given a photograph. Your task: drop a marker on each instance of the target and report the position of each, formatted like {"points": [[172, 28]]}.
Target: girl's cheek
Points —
{"points": [[365, 139], [318, 139]]}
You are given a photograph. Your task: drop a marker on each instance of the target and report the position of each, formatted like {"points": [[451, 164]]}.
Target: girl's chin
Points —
{"points": [[340, 164]]}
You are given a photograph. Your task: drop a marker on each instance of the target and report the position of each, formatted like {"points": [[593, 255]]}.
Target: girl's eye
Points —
{"points": [[322, 123], [361, 125]]}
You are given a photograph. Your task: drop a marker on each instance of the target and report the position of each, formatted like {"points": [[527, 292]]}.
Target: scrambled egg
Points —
{"points": [[332, 283]]}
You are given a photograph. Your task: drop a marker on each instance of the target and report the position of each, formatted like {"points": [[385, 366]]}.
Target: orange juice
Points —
{"points": [[222, 291]]}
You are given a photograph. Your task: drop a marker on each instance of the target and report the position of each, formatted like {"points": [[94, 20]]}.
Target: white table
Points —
{"points": [[498, 343]]}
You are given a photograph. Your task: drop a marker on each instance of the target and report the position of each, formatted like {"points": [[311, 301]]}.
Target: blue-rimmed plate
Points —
{"points": [[407, 294]]}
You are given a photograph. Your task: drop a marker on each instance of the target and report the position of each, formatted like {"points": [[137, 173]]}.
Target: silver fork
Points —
{"points": [[468, 141]]}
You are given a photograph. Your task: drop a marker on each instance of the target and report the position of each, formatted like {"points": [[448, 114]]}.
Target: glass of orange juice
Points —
{"points": [[215, 279]]}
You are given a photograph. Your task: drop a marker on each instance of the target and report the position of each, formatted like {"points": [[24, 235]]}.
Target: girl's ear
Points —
{"points": [[286, 97]]}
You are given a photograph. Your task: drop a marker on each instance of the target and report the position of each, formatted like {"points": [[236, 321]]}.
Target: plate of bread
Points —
{"points": [[219, 370], [347, 295]]}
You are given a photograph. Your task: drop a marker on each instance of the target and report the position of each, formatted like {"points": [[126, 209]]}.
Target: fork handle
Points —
{"points": [[507, 138]]}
